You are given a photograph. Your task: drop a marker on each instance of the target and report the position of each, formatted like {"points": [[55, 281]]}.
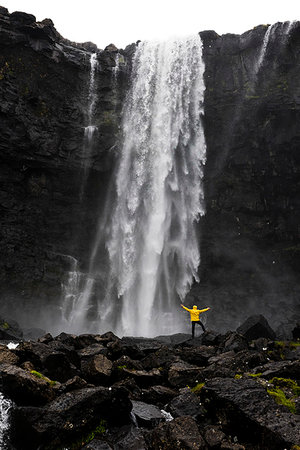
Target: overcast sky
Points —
{"points": [[125, 21]]}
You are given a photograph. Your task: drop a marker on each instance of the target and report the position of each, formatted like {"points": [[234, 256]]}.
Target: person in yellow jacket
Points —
{"points": [[195, 312]]}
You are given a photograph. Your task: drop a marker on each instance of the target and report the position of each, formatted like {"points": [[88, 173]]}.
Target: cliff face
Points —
{"points": [[250, 234]]}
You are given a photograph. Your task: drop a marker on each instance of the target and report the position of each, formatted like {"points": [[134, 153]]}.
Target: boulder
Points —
{"points": [[245, 409], [24, 387], [296, 332], [186, 404], [96, 369], [196, 355], [70, 417], [7, 356], [139, 347], [256, 327], [55, 364], [281, 369], [161, 358], [180, 433], [158, 395], [234, 341], [182, 374], [92, 350], [10, 330], [146, 415]]}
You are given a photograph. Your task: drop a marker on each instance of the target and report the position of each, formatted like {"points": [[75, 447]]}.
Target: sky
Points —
{"points": [[122, 22]]}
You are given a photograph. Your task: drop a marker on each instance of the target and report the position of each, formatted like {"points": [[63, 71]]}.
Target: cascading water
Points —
{"points": [[5, 407], [153, 245], [264, 47], [74, 297], [90, 129]]}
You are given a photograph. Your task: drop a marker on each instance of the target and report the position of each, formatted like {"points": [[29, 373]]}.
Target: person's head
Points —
{"points": [[194, 307]]}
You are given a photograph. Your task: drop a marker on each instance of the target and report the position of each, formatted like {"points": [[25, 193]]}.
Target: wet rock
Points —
{"points": [[7, 356], [235, 342], [161, 358], [137, 348], [296, 332], [10, 330], [146, 415], [25, 388], [73, 384], [282, 369], [70, 417], [214, 436], [182, 374], [186, 404], [245, 409], [180, 433], [97, 444], [256, 327], [197, 355], [228, 364], [132, 438], [92, 350], [96, 369], [159, 395]]}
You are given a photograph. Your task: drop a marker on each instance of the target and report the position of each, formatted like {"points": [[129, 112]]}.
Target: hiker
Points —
{"points": [[195, 317]]}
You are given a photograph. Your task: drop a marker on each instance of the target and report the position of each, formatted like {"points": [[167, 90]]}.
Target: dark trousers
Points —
{"points": [[193, 326]]}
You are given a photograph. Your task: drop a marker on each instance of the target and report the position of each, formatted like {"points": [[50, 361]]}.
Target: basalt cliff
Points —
{"points": [[250, 233]]}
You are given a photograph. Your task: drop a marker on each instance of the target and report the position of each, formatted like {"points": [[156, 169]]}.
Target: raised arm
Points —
{"points": [[203, 310], [187, 309]]}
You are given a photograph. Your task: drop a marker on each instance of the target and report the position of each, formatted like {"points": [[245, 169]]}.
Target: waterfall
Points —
{"points": [[90, 129], [74, 297], [5, 407], [263, 49], [153, 245]]}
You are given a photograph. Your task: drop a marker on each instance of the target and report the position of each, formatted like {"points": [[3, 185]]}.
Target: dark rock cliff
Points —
{"points": [[250, 234]]}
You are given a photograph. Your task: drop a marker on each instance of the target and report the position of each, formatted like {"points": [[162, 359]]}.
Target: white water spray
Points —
{"points": [[153, 246], [263, 49], [5, 407]]}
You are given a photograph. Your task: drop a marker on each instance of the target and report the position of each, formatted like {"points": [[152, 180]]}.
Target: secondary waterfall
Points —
{"points": [[153, 245], [5, 407]]}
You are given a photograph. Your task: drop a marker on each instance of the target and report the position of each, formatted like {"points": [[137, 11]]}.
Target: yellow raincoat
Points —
{"points": [[195, 312]]}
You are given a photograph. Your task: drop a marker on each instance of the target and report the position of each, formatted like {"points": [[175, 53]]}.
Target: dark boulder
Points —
{"points": [[245, 409], [26, 388], [138, 347], [182, 374], [146, 415], [186, 404], [7, 356], [158, 395], [296, 332], [96, 369], [196, 355], [256, 327], [10, 330], [181, 433], [69, 418]]}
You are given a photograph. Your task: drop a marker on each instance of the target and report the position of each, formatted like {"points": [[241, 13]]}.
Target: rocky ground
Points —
{"points": [[218, 391]]}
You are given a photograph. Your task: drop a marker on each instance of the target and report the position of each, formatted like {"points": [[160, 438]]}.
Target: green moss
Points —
{"points": [[280, 398], [196, 389], [98, 431], [4, 326], [122, 367], [42, 377], [254, 375], [286, 383], [238, 376]]}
